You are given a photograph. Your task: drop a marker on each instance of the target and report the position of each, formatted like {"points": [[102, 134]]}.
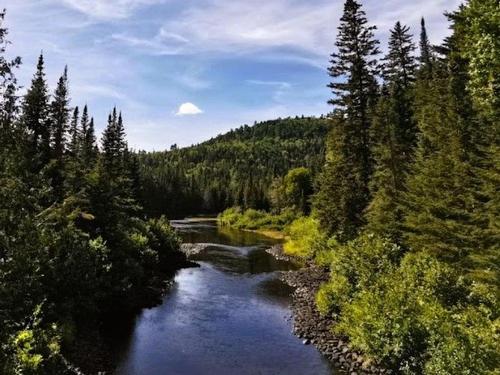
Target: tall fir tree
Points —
{"points": [[8, 100], [344, 191], [59, 116], [87, 140], [113, 143], [59, 119], [74, 133], [35, 116], [444, 202], [394, 134], [426, 58]]}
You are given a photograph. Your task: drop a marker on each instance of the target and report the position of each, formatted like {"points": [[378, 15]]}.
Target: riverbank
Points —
{"points": [[315, 328]]}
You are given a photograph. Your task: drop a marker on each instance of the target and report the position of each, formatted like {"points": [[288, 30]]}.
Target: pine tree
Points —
{"points": [[87, 140], [344, 192], [9, 140], [425, 51], [60, 116], [35, 114], [444, 202], [74, 133], [394, 134], [113, 143]]}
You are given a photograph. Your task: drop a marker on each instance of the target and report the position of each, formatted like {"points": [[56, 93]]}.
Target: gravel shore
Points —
{"points": [[314, 328]]}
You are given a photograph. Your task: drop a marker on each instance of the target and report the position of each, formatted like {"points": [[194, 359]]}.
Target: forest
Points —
{"points": [[74, 242], [234, 169], [395, 193]]}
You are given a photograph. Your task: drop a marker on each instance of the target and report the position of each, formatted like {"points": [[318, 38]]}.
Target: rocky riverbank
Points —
{"points": [[314, 328]]}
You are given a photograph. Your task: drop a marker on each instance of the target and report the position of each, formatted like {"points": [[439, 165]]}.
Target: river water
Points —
{"points": [[229, 316]]}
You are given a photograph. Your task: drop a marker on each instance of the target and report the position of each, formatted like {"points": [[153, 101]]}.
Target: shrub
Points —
{"points": [[256, 220], [304, 238], [356, 265], [413, 319]]}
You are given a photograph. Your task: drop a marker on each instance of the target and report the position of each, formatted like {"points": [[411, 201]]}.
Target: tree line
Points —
{"points": [[74, 241], [234, 169], [406, 215]]}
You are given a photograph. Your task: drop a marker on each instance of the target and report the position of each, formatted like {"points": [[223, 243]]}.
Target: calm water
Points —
{"points": [[229, 316]]}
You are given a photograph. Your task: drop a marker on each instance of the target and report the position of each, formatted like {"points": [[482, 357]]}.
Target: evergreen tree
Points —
{"points": [[74, 133], [344, 192], [442, 201], [394, 134], [425, 50], [35, 115], [113, 144], [90, 149], [59, 116], [8, 99]]}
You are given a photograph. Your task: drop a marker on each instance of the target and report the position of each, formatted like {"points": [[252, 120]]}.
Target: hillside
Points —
{"points": [[236, 168]]}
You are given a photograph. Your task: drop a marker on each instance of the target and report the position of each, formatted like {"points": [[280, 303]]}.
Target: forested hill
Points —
{"points": [[237, 168]]}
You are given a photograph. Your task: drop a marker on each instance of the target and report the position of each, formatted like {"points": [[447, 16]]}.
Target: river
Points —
{"points": [[228, 316]]}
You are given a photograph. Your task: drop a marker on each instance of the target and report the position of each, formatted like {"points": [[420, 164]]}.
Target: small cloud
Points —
{"points": [[188, 109]]}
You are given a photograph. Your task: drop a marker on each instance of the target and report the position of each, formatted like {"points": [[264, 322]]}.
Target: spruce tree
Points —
{"points": [[113, 143], [35, 115], [444, 202], [8, 100], [60, 116], [344, 191], [87, 140], [425, 50], [74, 133], [394, 134]]}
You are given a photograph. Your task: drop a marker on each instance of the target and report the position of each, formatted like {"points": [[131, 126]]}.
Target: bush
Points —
{"points": [[304, 238], [256, 220], [413, 319], [355, 266]]}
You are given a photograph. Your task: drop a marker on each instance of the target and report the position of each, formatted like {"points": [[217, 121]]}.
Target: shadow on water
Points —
{"points": [[229, 316]]}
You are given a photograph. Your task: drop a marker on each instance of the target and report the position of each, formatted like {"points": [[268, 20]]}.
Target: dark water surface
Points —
{"points": [[229, 316]]}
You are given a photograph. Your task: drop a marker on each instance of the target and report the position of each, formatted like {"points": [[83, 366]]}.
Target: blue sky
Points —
{"points": [[183, 71]]}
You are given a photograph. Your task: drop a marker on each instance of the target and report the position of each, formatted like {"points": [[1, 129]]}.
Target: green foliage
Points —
{"points": [[356, 265], [414, 320], [234, 169], [293, 191], [344, 193], [74, 243], [394, 135], [304, 238], [256, 220]]}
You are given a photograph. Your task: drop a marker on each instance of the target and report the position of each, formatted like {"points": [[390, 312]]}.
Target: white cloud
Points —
{"points": [[108, 9], [303, 31], [188, 109]]}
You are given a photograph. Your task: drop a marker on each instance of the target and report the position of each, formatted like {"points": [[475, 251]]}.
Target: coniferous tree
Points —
{"points": [[74, 133], [394, 134], [59, 116], [90, 149], [8, 98], [344, 192], [443, 200], [35, 115], [113, 143], [425, 50]]}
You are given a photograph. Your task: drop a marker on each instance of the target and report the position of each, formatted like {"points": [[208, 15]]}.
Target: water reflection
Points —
{"points": [[229, 316]]}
